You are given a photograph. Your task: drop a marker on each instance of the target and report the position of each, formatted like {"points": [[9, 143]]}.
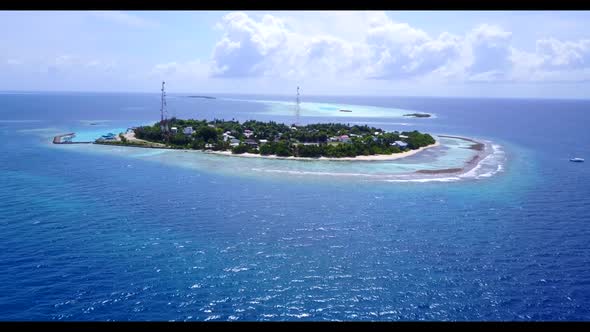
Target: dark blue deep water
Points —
{"points": [[103, 237]]}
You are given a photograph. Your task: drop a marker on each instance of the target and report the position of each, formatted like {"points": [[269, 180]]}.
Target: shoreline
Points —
{"points": [[479, 147], [482, 151], [379, 157]]}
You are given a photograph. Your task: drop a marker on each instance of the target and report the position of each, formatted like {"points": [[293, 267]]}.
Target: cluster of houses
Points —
{"points": [[185, 130], [347, 139], [231, 139], [227, 136], [108, 137]]}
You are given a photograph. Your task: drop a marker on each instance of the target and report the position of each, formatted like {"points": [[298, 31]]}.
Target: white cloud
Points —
{"points": [[489, 49], [13, 62], [389, 50], [181, 71], [268, 47], [401, 52], [342, 50], [247, 45], [564, 55]]}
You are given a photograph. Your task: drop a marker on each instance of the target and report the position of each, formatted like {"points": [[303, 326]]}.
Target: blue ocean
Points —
{"points": [[97, 233]]}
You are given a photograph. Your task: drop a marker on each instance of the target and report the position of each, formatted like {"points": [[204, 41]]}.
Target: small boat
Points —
{"points": [[345, 111], [577, 160]]}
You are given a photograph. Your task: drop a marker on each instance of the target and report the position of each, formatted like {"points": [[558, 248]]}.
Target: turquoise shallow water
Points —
{"points": [[166, 235], [452, 153], [331, 109]]}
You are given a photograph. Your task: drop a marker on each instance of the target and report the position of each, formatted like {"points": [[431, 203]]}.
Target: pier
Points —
{"points": [[66, 139]]}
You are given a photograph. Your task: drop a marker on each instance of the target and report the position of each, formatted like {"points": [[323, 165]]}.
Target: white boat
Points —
{"points": [[577, 160]]}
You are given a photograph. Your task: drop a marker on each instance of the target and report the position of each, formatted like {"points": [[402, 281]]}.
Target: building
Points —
{"points": [[403, 136], [188, 130], [344, 139], [109, 137], [251, 143], [234, 142], [174, 130], [263, 141], [400, 144]]}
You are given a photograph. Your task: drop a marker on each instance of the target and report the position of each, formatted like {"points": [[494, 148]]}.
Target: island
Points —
{"points": [[205, 97], [418, 115], [325, 140]]}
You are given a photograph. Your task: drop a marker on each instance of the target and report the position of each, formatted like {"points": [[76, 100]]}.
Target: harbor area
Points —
{"points": [[67, 139]]}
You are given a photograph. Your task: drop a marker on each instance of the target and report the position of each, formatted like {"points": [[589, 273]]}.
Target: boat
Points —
{"points": [[577, 160], [345, 111]]}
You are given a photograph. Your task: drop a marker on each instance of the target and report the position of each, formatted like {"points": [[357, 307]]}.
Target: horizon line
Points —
{"points": [[286, 95]]}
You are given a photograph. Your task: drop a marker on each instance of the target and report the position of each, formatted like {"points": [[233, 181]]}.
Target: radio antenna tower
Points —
{"points": [[163, 112], [297, 108]]}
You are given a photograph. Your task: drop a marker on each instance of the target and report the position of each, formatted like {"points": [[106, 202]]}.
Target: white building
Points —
{"points": [[188, 130], [174, 130], [400, 144]]}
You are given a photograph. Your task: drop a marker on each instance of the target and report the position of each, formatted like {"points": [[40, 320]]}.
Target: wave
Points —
{"points": [[487, 167], [313, 172]]}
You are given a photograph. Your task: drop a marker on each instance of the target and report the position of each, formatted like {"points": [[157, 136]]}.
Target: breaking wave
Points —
{"points": [[487, 167]]}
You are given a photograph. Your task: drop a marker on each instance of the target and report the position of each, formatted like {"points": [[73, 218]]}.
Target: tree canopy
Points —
{"points": [[272, 138]]}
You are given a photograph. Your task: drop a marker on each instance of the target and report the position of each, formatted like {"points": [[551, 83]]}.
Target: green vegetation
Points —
{"points": [[129, 143], [271, 138]]}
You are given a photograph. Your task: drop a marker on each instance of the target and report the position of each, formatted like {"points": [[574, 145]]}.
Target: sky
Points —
{"points": [[514, 54]]}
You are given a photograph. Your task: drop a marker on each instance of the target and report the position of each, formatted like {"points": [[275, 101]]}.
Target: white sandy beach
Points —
{"points": [[131, 138], [380, 157]]}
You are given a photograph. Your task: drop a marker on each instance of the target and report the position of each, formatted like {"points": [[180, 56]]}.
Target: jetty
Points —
{"points": [[66, 139]]}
